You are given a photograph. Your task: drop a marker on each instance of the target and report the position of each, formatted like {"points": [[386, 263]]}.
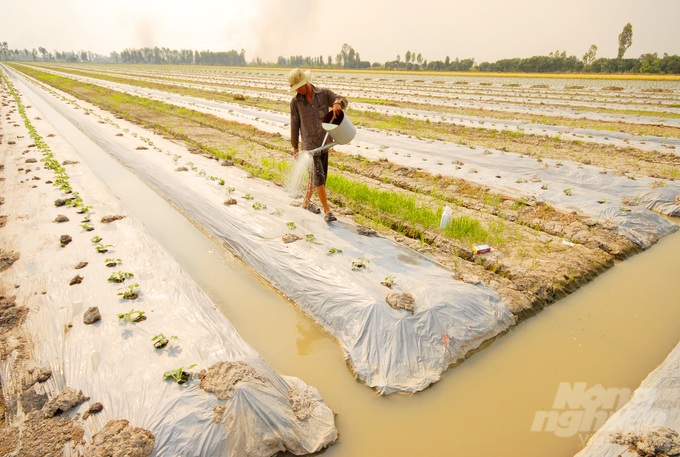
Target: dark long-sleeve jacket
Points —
{"points": [[305, 118]]}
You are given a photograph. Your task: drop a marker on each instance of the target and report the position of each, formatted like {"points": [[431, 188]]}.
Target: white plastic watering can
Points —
{"points": [[340, 128]]}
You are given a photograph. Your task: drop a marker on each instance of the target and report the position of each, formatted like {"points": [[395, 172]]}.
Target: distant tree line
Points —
{"points": [[348, 58], [43, 54]]}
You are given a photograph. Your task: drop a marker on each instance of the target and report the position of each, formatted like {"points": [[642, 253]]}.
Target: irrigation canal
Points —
{"points": [[611, 333]]}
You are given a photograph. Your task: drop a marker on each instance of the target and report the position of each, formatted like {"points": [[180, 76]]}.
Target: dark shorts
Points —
{"points": [[320, 169]]}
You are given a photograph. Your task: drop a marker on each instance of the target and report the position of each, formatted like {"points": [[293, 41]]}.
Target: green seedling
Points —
{"points": [[86, 218], [112, 262], [162, 341], [102, 249], [180, 376], [120, 276], [390, 281], [626, 210], [278, 212], [84, 209], [258, 206], [87, 227], [96, 239], [310, 237], [360, 264], [248, 197], [291, 225], [129, 292], [567, 191], [222, 182], [230, 189], [132, 316], [333, 250], [544, 187], [521, 181]]}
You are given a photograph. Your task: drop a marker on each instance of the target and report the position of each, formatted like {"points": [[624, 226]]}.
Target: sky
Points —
{"points": [[486, 30]]}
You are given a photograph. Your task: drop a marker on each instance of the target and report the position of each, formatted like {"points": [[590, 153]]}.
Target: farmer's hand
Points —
{"points": [[337, 108], [295, 153]]}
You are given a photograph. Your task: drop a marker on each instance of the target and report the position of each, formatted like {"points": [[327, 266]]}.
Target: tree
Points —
{"points": [[419, 59], [589, 57], [625, 40], [407, 59], [398, 58]]}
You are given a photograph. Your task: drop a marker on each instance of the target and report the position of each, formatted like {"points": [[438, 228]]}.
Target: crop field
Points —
{"points": [[493, 163], [562, 178]]}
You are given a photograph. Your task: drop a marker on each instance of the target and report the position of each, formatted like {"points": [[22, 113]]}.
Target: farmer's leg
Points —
{"points": [[321, 190], [308, 194]]}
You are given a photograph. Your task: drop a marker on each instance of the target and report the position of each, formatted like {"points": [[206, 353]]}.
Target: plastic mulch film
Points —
{"points": [[115, 363], [654, 404], [389, 349], [569, 186]]}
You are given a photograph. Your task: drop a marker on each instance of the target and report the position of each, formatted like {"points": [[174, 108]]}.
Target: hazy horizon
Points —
{"points": [[487, 31]]}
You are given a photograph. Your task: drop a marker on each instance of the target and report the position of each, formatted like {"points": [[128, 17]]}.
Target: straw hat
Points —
{"points": [[298, 78]]}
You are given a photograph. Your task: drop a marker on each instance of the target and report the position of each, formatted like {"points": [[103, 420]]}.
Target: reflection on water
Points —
{"points": [[611, 333]]}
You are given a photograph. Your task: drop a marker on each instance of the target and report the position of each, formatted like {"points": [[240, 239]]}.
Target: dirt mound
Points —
{"points": [[119, 438], [651, 440], [301, 402], [8, 259], [401, 300], [109, 219], [65, 401], [223, 376]]}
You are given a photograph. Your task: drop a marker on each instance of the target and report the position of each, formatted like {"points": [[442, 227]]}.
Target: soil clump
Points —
{"points": [[119, 438], [650, 441], [401, 300], [109, 219], [221, 377], [91, 315]]}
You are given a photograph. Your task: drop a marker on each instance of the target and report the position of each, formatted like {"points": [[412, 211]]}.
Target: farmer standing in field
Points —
{"points": [[307, 109]]}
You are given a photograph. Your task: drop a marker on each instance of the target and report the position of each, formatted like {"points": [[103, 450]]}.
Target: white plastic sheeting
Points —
{"points": [[115, 363], [390, 350], [654, 403], [645, 143], [588, 185]]}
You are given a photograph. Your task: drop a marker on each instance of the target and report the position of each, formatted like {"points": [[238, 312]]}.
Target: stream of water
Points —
{"points": [[612, 333]]}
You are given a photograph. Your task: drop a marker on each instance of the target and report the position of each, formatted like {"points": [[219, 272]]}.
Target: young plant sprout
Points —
{"points": [[102, 249], [333, 250], [86, 218], [162, 341], [87, 227], [291, 225], [132, 316], [521, 181], [120, 276], [230, 189], [248, 197], [258, 206], [179, 375], [96, 239], [222, 182], [112, 262], [390, 281], [278, 212], [567, 191], [360, 263], [129, 292], [310, 237], [84, 209], [625, 209]]}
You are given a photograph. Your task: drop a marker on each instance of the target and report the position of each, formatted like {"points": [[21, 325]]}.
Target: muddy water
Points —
{"points": [[612, 333]]}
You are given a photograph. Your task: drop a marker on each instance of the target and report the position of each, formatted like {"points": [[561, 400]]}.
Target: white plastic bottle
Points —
{"points": [[446, 216]]}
